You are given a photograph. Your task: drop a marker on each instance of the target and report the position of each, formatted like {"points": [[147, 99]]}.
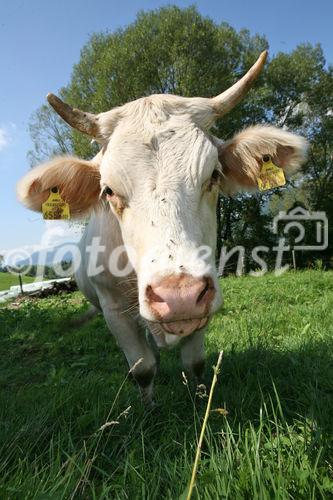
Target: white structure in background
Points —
{"points": [[15, 290]]}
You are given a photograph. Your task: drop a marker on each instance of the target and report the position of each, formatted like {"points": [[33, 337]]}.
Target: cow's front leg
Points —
{"points": [[193, 356], [132, 341]]}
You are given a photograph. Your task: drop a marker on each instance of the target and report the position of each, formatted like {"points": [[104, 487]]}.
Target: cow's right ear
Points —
{"points": [[78, 183]]}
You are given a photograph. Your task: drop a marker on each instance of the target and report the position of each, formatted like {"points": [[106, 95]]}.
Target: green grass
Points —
{"points": [[60, 385], [7, 280]]}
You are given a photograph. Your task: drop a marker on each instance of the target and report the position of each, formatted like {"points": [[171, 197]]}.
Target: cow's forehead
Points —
{"points": [[173, 151]]}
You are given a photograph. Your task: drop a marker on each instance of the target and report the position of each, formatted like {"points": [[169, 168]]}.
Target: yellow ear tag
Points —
{"points": [[55, 207], [270, 175]]}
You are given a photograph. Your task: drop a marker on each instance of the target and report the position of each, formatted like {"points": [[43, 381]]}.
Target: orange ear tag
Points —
{"points": [[270, 176], [55, 208]]}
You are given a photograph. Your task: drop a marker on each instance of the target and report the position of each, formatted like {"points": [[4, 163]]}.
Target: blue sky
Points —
{"points": [[40, 40]]}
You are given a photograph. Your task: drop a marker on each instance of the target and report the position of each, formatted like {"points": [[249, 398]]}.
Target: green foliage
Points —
{"points": [[49, 135], [60, 385], [291, 79]]}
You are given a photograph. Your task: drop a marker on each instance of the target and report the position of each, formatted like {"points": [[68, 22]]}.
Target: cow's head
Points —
{"points": [[161, 171]]}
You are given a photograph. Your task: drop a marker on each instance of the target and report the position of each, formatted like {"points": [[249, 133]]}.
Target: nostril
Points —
{"points": [[203, 293], [152, 296]]}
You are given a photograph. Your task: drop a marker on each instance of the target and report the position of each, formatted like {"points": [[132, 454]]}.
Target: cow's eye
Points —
{"points": [[107, 191], [216, 175], [214, 180]]}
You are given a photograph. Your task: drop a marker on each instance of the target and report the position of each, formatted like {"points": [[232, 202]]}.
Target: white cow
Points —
{"points": [[153, 188]]}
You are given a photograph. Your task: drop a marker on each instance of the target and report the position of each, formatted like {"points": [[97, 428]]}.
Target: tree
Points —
{"points": [[296, 94], [312, 115], [169, 50]]}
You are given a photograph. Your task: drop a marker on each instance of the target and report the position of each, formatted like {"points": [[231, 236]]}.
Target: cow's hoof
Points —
{"points": [[201, 391]]}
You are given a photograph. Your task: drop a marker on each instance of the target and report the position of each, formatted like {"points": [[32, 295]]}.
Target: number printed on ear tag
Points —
{"points": [[270, 175], [55, 208]]}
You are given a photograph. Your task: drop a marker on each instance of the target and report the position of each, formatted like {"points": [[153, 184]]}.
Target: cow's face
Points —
{"points": [[162, 182], [160, 172]]}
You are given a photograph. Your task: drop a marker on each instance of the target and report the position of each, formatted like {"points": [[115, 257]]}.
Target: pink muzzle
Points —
{"points": [[181, 303]]}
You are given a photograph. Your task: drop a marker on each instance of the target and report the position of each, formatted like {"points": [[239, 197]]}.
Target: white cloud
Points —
{"points": [[7, 134], [4, 139], [58, 232]]}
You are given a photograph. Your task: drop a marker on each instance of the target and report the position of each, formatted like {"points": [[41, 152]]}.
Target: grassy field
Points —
{"points": [[59, 386], [7, 280]]}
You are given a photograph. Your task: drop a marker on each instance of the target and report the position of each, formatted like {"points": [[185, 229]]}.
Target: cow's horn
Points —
{"points": [[224, 102], [84, 122]]}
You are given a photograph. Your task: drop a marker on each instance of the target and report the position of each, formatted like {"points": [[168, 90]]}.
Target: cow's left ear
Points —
{"points": [[242, 156]]}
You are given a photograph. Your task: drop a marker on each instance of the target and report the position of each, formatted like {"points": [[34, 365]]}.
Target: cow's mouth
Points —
{"points": [[184, 327]]}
